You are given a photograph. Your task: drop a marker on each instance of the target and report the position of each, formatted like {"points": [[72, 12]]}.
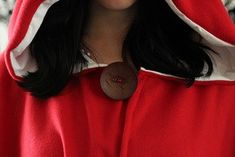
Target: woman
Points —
{"points": [[127, 78]]}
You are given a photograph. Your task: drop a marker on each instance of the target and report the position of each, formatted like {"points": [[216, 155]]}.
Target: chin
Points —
{"points": [[116, 4]]}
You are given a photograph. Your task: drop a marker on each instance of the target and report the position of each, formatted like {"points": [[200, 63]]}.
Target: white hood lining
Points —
{"points": [[20, 57], [205, 34], [224, 67]]}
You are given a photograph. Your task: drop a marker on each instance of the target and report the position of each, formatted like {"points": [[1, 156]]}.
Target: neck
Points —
{"points": [[106, 31]]}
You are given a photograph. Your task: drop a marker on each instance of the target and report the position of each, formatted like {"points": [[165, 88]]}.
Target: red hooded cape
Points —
{"points": [[162, 118]]}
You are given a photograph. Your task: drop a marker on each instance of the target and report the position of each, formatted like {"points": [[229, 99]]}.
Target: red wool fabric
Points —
{"points": [[210, 15], [18, 26], [162, 118]]}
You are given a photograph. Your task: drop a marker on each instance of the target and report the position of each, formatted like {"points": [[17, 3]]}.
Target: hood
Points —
{"points": [[208, 17]]}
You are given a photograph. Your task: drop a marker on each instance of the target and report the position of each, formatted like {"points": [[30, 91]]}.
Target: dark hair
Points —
{"points": [[157, 40]]}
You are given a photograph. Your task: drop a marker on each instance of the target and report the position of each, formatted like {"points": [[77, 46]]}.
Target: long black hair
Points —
{"points": [[157, 40]]}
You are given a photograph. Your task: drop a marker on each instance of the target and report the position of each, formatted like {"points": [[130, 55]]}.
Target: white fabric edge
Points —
{"points": [[204, 33], [200, 79], [223, 65], [35, 24], [37, 20], [221, 72], [91, 64]]}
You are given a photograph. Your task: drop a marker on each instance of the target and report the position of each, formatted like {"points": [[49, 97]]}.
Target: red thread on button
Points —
{"points": [[118, 79]]}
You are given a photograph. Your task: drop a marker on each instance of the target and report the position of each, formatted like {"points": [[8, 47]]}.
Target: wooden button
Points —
{"points": [[118, 80]]}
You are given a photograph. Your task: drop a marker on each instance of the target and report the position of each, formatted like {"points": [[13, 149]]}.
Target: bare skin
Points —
{"points": [[107, 26]]}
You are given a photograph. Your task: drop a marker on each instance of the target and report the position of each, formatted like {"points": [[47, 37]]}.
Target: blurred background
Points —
{"points": [[6, 7]]}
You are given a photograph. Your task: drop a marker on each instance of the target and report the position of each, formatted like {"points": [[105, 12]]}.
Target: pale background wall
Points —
{"points": [[6, 7]]}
